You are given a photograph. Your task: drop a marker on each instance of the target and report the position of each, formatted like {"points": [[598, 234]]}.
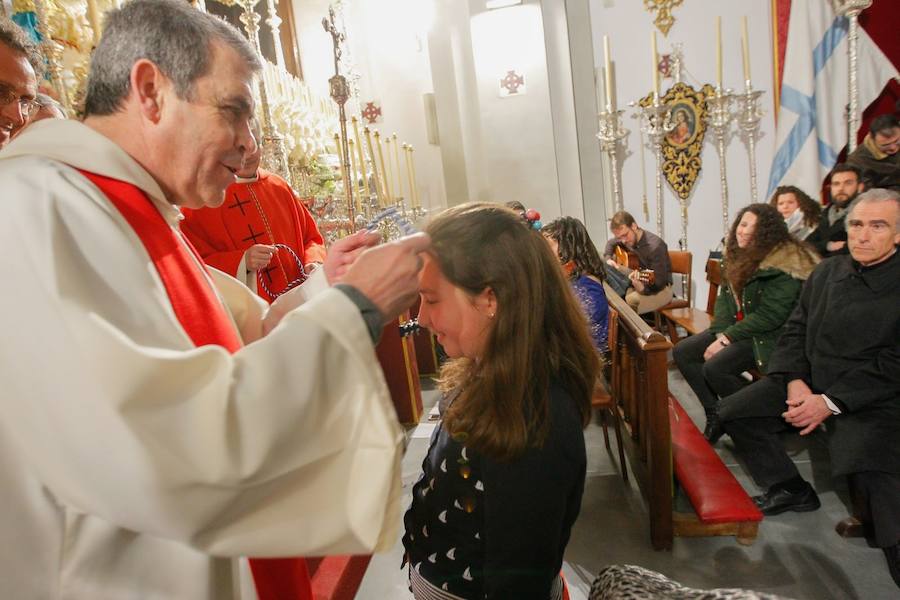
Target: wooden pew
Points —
{"points": [[694, 320], [640, 389], [662, 442]]}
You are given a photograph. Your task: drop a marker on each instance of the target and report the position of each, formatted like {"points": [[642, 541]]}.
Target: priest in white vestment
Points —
{"points": [[134, 462]]}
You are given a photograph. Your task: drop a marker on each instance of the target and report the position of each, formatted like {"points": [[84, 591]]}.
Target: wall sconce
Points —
{"points": [[492, 4]]}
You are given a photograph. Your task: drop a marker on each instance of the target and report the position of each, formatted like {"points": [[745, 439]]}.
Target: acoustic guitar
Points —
{"points": [[630, 262]]}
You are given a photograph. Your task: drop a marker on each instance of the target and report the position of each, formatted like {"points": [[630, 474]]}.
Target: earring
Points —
{"points": [[491, 316]]}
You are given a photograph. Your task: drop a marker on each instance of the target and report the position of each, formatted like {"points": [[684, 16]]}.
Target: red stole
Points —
{"points": [[206, 322]]}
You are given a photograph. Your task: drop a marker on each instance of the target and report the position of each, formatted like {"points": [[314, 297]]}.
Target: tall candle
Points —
{"points": [[654, 66], [745, 48], [345, 177], [719, 52], [385, 179], [378, 192], [360, 161], [389, 172], [415, 187], [397, 165], [608, 66], [407, 150], [354, 177]]}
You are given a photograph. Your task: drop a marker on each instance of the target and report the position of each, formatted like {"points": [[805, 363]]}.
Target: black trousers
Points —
{"points": [[752, 417], [717, 377], [879, 493]]}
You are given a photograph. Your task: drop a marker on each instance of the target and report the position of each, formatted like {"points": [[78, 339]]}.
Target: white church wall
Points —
{"points": [[517, 130], [628, 26]]}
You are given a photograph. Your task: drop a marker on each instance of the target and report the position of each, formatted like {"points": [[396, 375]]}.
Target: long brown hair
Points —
{"points": [[539, 332], [812, 210], [741, 263], [575, 247]]}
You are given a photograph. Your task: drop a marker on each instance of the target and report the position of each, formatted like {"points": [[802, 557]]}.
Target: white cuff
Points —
{"points": [[831, 405]]}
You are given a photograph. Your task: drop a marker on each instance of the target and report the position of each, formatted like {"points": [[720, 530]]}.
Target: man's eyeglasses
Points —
{"points": [[26, 106]]}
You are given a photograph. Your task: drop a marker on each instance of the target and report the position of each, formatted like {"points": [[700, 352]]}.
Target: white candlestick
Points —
{"points": [[719, 52], [745, 48], [609, 79]]}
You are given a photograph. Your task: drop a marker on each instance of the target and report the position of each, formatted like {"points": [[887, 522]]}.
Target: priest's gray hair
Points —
{"points": [[172, 34], [873, 196]]}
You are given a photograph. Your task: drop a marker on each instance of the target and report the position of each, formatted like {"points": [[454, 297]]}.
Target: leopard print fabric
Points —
{"points": [[630, 582]]}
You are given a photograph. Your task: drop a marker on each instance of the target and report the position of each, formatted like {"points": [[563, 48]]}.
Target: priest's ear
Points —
{"points": [[149, 87]]}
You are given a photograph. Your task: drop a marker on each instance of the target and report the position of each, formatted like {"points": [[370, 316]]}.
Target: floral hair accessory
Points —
{"points": [[533, 218]]}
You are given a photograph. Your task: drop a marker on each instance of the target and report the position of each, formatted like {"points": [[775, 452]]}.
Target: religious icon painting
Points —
{"points": [[683, 144], [512, 84], [371, 112]]}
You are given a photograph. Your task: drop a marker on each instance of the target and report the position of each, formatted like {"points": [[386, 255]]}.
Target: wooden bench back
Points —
{"points": [[640, 391], [714, 277], [681, 265]]}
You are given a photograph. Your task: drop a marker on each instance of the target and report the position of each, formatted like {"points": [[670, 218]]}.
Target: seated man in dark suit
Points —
{"points": [[830, 237], [837, 363]]}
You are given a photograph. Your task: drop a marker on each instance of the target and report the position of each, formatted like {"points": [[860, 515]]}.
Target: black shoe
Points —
{"points": [[713, 430], [775, 502], [892, 553]]}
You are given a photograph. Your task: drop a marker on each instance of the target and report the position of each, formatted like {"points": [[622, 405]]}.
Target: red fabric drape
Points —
{"points": [[206, 322]]}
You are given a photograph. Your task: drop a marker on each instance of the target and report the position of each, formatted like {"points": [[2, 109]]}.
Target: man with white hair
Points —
{"points": [[159, 419], [837, 363]]}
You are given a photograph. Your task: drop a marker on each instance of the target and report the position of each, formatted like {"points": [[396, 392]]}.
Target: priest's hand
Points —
{"points": [[388, 275], [258, 256], [344, 252]]}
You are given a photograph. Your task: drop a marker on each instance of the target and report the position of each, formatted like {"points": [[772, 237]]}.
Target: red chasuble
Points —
{"points": [[262, 212], [206, 322]]}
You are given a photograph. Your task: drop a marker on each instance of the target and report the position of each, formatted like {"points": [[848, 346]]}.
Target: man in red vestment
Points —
{"points": [[239, 237]]}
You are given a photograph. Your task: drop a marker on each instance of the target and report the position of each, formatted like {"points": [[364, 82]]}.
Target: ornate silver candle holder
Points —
{"points": [[656, 123], [718, 118], [747, 115], [611, 133]]}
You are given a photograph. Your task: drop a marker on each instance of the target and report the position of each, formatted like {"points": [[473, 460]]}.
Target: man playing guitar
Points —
{"points": [[650, 278]]}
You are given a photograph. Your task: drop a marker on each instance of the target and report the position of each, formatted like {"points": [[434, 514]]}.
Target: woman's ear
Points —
{"points": [[486, 303]]}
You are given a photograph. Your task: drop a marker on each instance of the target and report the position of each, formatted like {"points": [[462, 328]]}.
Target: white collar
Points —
{"points": [[79, 146]]}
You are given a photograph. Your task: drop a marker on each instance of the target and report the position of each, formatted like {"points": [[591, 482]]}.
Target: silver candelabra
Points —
{"points": [[747, 115], [611, 133], [656, 122], [718, 117], [851, 10]]}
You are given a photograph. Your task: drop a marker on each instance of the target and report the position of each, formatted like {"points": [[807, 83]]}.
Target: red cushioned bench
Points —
{"points": [[721, 505]]}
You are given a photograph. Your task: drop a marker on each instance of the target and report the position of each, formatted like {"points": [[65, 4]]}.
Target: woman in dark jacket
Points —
{"points": [[502, 482], [763, 271]]}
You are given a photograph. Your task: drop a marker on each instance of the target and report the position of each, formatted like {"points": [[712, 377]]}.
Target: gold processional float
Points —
{"points": [[347, 182], [305, 137]]}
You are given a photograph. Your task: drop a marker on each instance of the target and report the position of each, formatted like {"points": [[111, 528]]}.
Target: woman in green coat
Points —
{"points": [[763, 271]]}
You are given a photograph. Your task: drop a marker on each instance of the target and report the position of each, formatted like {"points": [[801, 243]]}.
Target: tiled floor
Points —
{"points": [[796, 555]]}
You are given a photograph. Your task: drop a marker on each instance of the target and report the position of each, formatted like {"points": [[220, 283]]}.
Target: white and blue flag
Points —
{"points": [[812, 122]]}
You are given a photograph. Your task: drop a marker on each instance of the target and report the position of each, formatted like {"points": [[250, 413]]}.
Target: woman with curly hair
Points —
{"points": [[763, 269], [504, 474], [800, 212], [570, 241]]}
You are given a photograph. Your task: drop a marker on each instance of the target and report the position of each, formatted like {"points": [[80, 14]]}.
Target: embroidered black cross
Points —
{"points": [[266, 273], [239, 204], [252, 237]]}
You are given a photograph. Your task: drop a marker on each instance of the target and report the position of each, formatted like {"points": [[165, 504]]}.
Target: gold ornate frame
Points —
{"points": [[682, 146]]}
